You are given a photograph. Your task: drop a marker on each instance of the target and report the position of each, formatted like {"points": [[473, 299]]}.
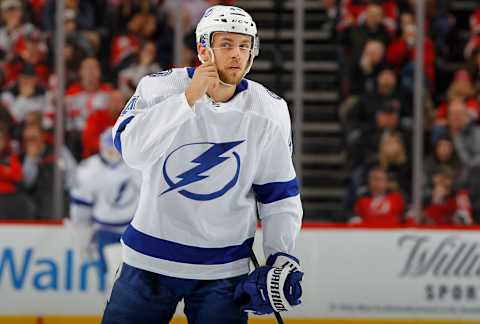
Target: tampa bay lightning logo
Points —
{"points": [[125, 194], [209, 157]]}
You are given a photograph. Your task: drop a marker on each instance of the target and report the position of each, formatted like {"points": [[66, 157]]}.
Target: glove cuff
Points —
{"points": [[284, 260]]}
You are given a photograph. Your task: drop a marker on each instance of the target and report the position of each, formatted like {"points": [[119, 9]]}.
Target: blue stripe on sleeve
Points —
{"points": [[117, 141], [176, 252], [275, 191], [99, 222], [81, 202]]}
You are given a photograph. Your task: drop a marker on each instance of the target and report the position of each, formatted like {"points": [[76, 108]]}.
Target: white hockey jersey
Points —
{"points": [[205, 171], [105, 194]]}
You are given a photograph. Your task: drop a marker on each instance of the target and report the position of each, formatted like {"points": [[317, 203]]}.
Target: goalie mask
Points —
{"points": [[227, 19]]}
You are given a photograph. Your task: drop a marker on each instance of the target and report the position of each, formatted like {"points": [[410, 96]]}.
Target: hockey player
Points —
{"points": [[103, 202], [211, 145]]}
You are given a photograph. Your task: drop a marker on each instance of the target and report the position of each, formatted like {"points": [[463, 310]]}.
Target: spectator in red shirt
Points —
{"points": [[82, 99], [353, 13], [29, 49], [86, 96], [13, 202], [401, 55], [443, 204], [379, 206], [100, 120]]}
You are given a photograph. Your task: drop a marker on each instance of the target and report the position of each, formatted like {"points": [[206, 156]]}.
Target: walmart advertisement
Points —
{"points": [[350, 273]]}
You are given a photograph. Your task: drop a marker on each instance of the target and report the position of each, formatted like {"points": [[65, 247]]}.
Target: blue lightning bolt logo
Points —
{"points": [[206, 161]]}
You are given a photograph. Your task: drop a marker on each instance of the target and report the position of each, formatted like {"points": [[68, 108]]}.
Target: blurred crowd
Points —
{"points": [[110, 45], [376, 52]]}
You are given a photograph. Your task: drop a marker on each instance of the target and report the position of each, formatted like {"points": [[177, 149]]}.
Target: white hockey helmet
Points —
{"points": [[106, 147], [227, 19]]}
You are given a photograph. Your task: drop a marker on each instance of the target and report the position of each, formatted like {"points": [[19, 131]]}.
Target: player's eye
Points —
{"points": [[245, 47], [226, 45]]}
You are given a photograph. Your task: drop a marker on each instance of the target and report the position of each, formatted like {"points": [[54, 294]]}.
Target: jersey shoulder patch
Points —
{"points": [[161, 73], [130, 106]]}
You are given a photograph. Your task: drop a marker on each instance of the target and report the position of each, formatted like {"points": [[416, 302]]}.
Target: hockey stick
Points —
{"points": [[257, 265]]}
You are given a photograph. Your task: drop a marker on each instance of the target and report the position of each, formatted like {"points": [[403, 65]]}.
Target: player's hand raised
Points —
{"points": [[205, 75]]}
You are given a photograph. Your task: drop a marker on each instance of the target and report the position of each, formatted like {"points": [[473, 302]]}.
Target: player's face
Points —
{"points": [[232, 52]]}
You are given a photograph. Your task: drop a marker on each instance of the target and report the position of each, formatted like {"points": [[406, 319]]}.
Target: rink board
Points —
{"points": [[352, 275]]}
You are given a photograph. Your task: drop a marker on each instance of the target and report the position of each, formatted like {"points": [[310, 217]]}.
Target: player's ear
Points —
{"points": [[203, 52]]}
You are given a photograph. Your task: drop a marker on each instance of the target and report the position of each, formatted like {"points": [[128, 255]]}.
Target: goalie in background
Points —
{"points": [[103, 201]]}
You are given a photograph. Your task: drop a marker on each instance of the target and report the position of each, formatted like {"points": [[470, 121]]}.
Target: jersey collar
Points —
{"points": [[242, 86]]}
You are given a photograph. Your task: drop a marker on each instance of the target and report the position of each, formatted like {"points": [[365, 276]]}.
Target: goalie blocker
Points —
{"points": [[274, 287]]}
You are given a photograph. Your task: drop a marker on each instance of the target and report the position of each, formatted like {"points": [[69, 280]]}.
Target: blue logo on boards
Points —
{"points": [[210, 157], [24, 269]]}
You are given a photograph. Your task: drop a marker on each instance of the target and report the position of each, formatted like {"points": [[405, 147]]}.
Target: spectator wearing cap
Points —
{"points": [[26, 96], [14, 25], [129, 78], [100, 120], [14, 203], [38, 161], [381, 205], [82, 99]]}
